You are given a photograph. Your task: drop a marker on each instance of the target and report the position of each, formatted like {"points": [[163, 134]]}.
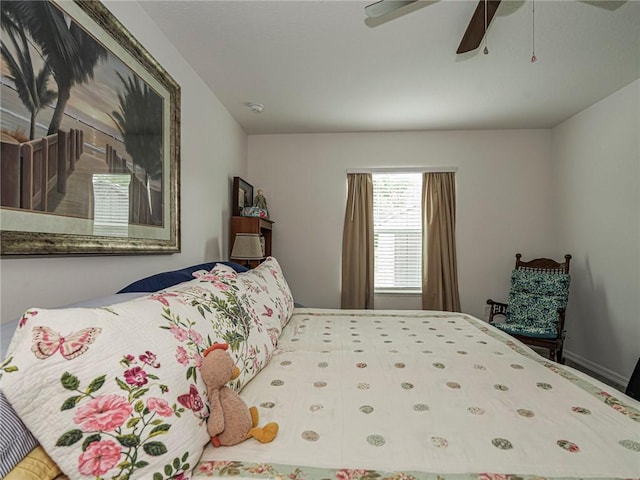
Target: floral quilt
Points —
{"points": [[115, 392], [426, 395]]}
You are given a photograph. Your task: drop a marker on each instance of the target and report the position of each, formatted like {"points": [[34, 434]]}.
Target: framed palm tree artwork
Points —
{"points": [[90, 135]]}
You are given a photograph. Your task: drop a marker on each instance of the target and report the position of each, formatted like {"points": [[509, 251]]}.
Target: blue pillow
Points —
{"points": [[163, 280]]}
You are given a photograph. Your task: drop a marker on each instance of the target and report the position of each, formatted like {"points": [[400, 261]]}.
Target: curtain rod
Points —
{"points": [[402, 169]]}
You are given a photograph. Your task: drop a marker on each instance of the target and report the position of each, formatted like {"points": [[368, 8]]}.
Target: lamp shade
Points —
{"points": [[247, 246]]}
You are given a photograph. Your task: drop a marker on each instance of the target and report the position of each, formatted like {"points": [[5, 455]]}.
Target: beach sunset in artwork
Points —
{"points": [[90, 103], [96, 106]]}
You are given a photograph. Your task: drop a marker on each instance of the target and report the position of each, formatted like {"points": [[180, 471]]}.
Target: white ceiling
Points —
{"points": [[317, 67]]}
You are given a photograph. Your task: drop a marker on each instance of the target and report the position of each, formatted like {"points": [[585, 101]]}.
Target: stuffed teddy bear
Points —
{"points": [[230, 420]]}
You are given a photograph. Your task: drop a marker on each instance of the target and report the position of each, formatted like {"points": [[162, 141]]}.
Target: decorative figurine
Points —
{"points": [[259, 201]]}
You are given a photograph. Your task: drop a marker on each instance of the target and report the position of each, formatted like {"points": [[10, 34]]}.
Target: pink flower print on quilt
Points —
{"points": [[104, 413], [99, 458]]}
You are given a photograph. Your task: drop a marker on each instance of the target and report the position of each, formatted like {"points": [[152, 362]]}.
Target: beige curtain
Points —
{"points": [[439, 266], [357, 243]]}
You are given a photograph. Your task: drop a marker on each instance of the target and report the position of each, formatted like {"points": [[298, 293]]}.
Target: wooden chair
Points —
{"points": [[535, 311], [633, 387]]}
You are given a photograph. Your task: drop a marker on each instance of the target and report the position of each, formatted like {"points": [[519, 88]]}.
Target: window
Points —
{"points": [[397, 231]]}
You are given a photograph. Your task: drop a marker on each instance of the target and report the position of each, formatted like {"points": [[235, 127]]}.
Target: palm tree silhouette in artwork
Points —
{"points": [[140, 123], [68, 50], [31, 87]]}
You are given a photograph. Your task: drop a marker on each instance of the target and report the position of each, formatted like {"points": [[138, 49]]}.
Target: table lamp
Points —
{"points": [[247, 247]]}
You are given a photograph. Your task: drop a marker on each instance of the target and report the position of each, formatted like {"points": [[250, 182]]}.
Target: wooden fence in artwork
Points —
{"points": [[29, 171]]}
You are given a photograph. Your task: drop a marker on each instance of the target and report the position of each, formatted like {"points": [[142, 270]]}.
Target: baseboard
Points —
{"points": [[594, 367]]}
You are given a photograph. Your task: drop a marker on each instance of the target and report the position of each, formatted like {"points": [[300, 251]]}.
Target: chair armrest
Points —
{"points": [[497, 308]]}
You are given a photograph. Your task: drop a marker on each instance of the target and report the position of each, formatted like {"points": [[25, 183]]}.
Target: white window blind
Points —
{"points": [[397, 231]]}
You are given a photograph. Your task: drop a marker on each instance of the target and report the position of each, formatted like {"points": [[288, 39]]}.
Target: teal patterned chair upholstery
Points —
{"points": [[535, 311]]}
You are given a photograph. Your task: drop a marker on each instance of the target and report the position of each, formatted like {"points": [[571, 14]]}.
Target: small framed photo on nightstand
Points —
{"points": [[242, 196]]}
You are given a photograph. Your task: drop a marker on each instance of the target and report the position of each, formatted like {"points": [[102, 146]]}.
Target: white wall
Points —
{"points": [[213, 150], [503, 190], [596, 172]]}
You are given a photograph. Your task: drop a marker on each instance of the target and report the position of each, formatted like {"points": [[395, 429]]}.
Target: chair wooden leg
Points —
{"points": [[560, 356]]}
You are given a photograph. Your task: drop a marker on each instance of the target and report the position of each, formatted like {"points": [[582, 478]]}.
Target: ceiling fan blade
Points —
{"points": [[475, 30], [388, 10], [606, 4], [382, 7]]}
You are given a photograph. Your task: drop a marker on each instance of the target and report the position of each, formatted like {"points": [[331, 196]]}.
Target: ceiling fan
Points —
{"points": [[384, 10], [474, 33]]}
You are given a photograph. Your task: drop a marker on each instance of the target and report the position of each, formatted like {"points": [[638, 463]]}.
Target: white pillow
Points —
{"points": [[116, 391]]}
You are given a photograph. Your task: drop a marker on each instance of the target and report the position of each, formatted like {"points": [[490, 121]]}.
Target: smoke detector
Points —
{"points": [[256, 107]]}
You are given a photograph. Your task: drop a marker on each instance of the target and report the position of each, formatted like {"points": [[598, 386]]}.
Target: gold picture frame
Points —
{"points": [[84, 186]]}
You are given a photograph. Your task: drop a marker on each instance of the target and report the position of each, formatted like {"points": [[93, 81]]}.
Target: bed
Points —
{"points": [[357, 394]]}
